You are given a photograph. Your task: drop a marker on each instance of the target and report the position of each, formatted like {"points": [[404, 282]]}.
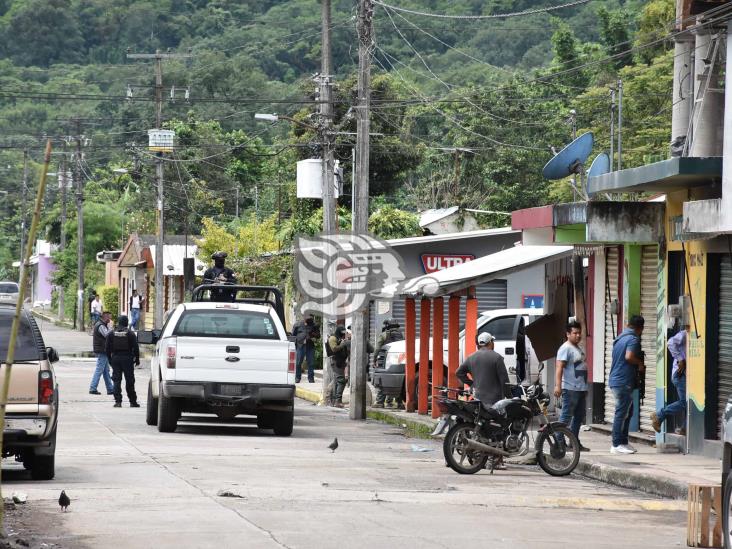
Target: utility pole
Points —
{"points": [[62, 246], [160, 240], [79, 232], [24, 200], [359, 354], [620, 125], [612, 129], [328, 164], [237, 201]]}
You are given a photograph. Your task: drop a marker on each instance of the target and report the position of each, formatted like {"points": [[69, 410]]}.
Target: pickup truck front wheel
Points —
{"points": [[282, 423], [167, 414], [151, 416]]}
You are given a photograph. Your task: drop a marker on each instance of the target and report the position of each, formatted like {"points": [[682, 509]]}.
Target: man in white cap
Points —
{"points": [[488, 375]]}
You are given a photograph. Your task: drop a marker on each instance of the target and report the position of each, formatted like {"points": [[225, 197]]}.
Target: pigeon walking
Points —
{"points": [[333, 445], [64, 501]]}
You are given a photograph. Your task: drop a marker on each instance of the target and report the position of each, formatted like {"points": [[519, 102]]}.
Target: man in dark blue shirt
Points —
{"points": [[627, 364]]}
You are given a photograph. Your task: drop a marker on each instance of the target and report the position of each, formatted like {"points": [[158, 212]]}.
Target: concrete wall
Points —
{"points": [[43, 285]]}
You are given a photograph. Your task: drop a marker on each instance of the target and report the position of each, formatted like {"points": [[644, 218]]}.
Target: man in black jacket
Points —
{"points": [[99, 343], [124, 354], [306, 334]]}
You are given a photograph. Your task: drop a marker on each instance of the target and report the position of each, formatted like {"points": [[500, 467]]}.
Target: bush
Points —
{"points": [[110, 299]]}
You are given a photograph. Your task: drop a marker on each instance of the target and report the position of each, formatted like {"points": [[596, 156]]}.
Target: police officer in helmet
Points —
{"points": [[220, 274]]}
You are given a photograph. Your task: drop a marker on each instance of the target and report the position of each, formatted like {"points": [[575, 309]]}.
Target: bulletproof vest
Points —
{"points": [[98, 340], [340, 357], [121, 342]]}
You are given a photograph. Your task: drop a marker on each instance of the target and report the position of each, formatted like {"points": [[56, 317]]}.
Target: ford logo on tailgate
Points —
{"points": [[232, 359]]}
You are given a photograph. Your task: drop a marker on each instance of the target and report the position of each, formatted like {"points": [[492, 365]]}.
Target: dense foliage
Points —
{"points": [[465, 112]]}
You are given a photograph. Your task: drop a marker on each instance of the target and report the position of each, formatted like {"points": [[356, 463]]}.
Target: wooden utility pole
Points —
{"points": [[359, 354], [80, 308], [160, 240], [62, 236]]}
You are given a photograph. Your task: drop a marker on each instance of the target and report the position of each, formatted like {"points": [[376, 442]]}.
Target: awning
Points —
{"points": [[482, 270]]}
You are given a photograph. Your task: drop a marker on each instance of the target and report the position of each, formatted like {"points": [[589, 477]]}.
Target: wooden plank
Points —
{"points": [[690, 516], [717, 531], [706, 504]]}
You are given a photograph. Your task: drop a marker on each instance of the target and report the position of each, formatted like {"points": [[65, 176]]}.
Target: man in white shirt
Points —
{"points": [[95, 309], [135, 308]]}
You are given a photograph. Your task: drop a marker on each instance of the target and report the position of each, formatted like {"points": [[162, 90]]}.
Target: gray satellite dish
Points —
{"points": [[600, 165], [571, 161]]}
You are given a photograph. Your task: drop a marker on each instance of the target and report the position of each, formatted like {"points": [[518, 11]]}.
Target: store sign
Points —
{"points": [[432, 263]]}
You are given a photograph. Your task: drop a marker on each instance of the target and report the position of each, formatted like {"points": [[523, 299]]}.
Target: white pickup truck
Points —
{"points": [[223, 357]]}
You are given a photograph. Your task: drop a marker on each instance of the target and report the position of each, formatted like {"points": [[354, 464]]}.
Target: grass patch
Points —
{"points": [[413, 429]]}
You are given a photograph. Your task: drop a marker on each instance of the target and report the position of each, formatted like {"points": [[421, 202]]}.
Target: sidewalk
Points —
{"points": [[650, 471]]}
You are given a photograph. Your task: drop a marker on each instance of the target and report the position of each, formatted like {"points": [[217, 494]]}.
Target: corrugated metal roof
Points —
{"points": [[173, 255], [480, 271], [430, 216], [452, 236]]}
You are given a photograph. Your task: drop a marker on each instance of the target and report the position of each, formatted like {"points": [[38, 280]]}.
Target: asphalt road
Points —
{"points": [[213, 485]]}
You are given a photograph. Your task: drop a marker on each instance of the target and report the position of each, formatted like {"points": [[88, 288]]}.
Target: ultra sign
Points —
{"points": [[432, 263]]}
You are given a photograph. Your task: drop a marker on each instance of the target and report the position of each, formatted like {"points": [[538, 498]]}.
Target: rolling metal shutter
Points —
{"points": [[724, 363], [649, 311], [491, 295], [611, 323]]}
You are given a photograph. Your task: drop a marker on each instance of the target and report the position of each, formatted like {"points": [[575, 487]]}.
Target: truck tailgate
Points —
{"points": [[231, 360], [23, 387]]}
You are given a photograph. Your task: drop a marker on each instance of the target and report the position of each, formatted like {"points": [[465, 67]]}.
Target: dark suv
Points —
{"points": [[32, 411]]}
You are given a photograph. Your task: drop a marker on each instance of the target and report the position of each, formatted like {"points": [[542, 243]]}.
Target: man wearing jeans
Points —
{"points": [[99, 340], [571, 380], [677, 348], [135, 307], [627, 363]]}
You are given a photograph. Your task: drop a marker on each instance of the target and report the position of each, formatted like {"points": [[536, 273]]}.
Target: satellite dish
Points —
{"points": [[570, 159], [600, 165]]}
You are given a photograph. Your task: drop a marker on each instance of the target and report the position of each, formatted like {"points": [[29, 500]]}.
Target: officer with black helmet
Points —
{"points": [[220, 274]]}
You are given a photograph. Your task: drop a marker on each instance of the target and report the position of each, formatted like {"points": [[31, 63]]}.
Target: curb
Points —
{"points": [[657, 486], [307, 394], [52, 320]]}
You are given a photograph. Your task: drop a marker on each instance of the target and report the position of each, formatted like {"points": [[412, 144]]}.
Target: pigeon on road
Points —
{"points": [[333, 445], [64, 501]]}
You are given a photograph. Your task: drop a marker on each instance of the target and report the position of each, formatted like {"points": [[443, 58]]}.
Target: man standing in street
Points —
{"points": [[99, 340], [627, 364], [124, 354], [677, 348], [306, 333], [488, 375], [339, 346], [571, 380], [95, 310], [135, 307]]}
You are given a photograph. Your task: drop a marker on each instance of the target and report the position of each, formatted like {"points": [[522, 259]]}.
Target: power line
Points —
{"points": [[476, 17]]}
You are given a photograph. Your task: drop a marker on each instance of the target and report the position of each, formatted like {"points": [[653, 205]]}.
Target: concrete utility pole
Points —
{"points": [[24, 200], [620, 125], [160, 240], [612, 129], [79, 232], [326, 138], [359, 354], [62, 245]]}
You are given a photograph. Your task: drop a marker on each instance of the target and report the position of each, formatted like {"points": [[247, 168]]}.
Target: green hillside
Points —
{"points": [[501, 89]]}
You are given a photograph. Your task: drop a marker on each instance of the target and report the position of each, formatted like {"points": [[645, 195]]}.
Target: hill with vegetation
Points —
{"points": [[467, 109]]}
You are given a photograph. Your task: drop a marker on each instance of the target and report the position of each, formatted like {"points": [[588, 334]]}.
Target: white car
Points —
{"points": [[226, 359], [9, 292], [506, 325]]}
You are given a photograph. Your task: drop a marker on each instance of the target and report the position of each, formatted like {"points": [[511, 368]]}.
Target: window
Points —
{"points": [[8, 288], [501, 328], [26, 346], [223, 323]]}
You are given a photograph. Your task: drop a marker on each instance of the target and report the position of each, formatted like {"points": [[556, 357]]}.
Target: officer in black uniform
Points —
{"points": [[124, 354], [220, 274]]}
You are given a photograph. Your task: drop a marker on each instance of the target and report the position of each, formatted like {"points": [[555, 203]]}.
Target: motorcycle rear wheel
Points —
{"points": [[458, 456], [562, 450]]}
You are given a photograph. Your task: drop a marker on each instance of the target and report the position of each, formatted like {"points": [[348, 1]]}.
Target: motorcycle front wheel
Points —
{"points": [[458, 456], [557, 450]]}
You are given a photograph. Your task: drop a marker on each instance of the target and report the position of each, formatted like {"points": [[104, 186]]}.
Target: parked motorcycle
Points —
{"points": [[478, 436]]}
